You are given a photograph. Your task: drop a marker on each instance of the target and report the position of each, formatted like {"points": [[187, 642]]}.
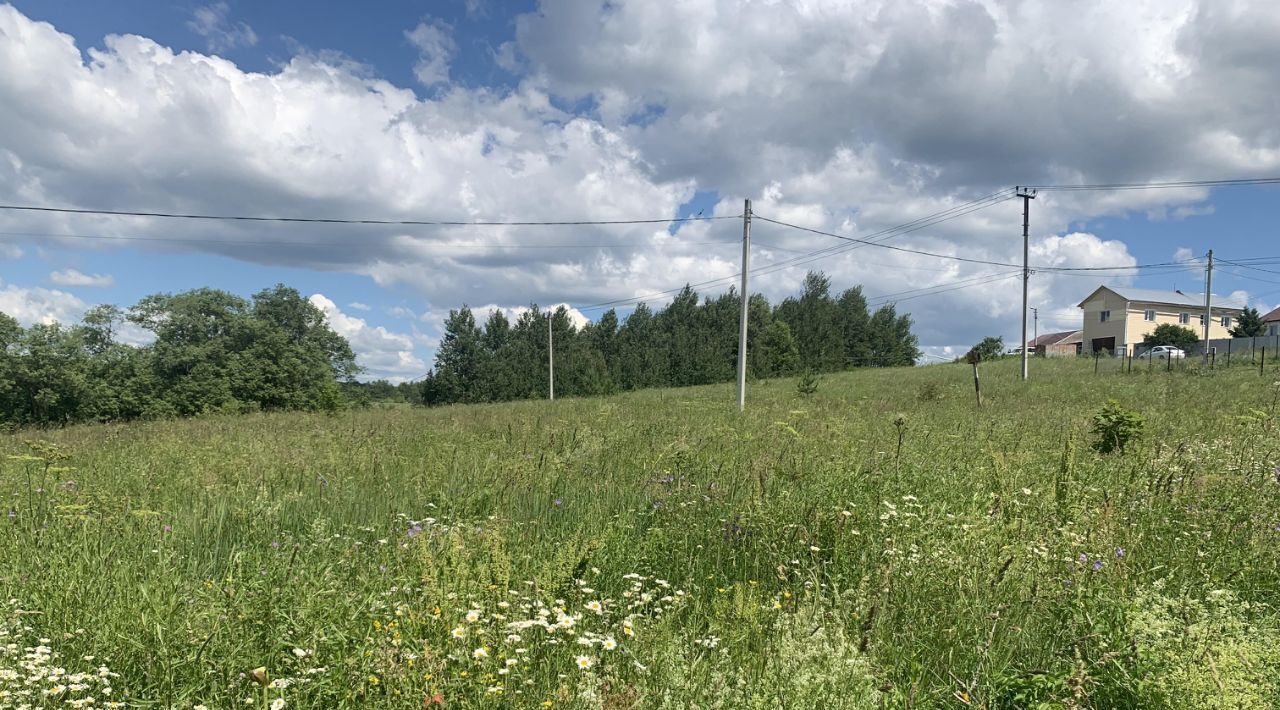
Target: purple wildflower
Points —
{"points": [[167, 528], [557, 502], [1097, 565], [1119, 553], [657, 504], [413, 531], [275, 545], [1084, 559], [69, 485], [382, 569], [324, 482], [1277, 524]]}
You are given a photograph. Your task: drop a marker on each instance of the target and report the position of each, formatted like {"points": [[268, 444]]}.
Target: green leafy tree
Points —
{"points": [[1249, 325], [989, 348], [1171, 334]]}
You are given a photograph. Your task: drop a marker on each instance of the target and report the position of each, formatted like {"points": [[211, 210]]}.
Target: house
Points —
{"points": [[1271, 322], [1116, 318], [1056, 344]]}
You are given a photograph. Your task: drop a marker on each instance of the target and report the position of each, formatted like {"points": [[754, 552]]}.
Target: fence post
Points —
{"points": [[1096, 355], [1262, 365], [1229, 342], [1168, 361]]}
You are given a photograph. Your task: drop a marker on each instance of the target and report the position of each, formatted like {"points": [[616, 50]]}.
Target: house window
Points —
{"points": [[1226, 321], [1148, 315], [1184, 318], [1201, 320], [1104, 316]]}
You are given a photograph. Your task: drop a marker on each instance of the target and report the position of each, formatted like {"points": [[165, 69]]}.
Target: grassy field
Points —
{"points": [[880, 543]]}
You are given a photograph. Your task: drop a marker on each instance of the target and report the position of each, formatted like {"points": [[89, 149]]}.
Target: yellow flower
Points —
{"points": [[373, 680], [547, 703]]}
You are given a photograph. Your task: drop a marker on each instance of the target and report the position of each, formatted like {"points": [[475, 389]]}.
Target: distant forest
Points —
{"points": [[214, 352], [686, 343]]}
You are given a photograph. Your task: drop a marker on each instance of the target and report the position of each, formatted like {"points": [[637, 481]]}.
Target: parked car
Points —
{"points": [[1163, 352]]}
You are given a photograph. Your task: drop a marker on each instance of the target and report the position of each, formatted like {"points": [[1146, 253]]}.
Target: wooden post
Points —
{"points": [[1096, 356], [1231, 340], [974, 358], [1262, 365]]}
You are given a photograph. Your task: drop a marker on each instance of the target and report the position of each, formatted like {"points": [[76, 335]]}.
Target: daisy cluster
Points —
{"points": [[32, 674]]}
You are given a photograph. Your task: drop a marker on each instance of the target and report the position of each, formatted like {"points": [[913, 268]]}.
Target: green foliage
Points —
{"points": [[1115, 427], [212, 352], [805, 557], [1213, 652], [989, 348], [807, 384], [1249, 325], [1171, 334], [687, 343]]}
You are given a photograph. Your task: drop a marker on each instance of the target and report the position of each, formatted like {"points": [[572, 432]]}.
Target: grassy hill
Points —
{"points": [[882, 542]]}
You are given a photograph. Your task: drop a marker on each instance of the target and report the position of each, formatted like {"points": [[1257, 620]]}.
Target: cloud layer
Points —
{"points": [[843, 116]]}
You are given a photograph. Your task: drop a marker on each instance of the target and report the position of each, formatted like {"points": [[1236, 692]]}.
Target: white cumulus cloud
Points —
{"points": [[211, 22], [383, 353], [72, 277]]}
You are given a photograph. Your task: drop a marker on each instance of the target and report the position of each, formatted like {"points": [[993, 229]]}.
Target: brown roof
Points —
{"points": [[1272, 317], [1051, 338]]}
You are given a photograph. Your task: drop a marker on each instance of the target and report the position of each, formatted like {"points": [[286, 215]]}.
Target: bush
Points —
{"points": [[1115, 426], [808, 383]]}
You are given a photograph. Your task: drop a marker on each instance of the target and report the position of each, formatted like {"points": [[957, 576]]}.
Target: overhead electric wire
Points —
{"points": [[985, 281], [966, 259], [919, 223], [1249, 266], [1156, 185], [385, 222], [290, 243]]}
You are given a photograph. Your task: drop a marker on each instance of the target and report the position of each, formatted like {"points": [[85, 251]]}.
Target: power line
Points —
{"points": [[290, 243], [1159, 185], [386, 222], [966, 259]]}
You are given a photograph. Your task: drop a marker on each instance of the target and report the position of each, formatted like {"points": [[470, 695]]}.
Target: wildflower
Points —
{"points": [[1119, 552], [557, 502], [373, 680], [199, 707], [595, 606], [609, 644], [167, 528], [814, 548], [510, 662], [277, 704], [413, 531], [1097, 565], [480, 653], [459, 632], [584, 662], [473, 616], [275, 544]]}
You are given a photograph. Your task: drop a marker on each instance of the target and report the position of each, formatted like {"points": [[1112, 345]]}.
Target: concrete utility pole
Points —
{"points": [[1027, 196], [742, 326], [1208, 302], [551, 360], [1035, 318]]}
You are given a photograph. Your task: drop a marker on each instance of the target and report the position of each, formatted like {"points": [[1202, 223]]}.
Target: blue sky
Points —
{"points": [[843, 119]]}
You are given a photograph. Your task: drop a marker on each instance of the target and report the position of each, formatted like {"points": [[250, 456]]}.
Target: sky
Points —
{"points": [[841, 116]]}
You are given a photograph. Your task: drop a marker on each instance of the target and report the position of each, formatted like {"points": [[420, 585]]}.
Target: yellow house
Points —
{"points": [[1117, 318]]}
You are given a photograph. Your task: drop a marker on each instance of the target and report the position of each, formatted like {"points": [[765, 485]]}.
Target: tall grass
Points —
{"points": [[879, 543]]}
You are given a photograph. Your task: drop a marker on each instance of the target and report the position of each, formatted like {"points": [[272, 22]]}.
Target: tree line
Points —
{"points": [[209, 351], [689, 342]]}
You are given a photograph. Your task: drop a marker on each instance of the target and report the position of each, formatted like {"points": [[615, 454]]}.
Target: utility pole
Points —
{"points": [[1035, 314], [1208, 302], [742, 326], [1027, 196], [551, 360]]}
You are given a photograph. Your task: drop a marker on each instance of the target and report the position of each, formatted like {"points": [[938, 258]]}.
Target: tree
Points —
{"points": [[989, 347], [1249, 325], [1171, 334]]}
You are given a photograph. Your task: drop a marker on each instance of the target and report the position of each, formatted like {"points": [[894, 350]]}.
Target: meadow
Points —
{"points": [[882, 542]]}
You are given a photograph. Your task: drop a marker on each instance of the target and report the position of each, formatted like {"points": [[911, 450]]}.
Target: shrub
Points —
{"points": [[808, 383], [1115, 426]]}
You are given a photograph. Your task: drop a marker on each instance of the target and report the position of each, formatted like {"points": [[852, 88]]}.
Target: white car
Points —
{"points": [[1163, 352]]}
